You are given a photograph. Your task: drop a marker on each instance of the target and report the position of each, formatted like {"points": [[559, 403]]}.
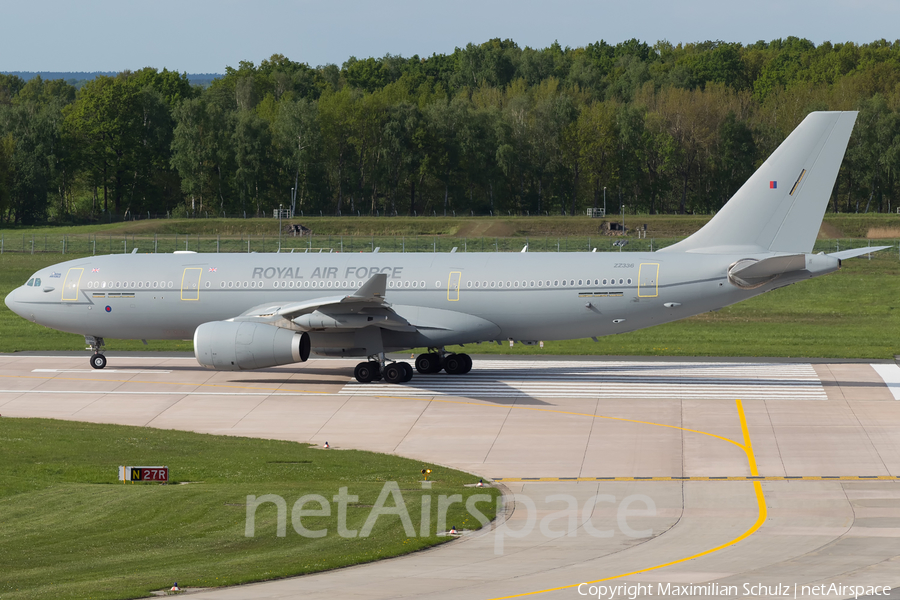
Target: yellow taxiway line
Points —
{"points": [[747, 446]]}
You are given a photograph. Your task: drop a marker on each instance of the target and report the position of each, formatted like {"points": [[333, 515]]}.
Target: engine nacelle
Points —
{"points": [[236, 346]]}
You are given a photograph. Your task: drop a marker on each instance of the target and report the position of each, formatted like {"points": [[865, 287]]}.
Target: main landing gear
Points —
{"points": [[95, 344], [434, 362], [401, 372], [395, 372]]}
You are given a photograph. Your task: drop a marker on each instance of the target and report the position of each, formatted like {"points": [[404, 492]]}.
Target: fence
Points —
{"points": [[88, 244]]}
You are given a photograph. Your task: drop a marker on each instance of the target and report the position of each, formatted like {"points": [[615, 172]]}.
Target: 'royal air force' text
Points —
{"points": [[325, 272]]}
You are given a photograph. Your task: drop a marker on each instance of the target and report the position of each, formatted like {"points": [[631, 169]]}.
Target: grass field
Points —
{"points": [[658, 226], [70, 530]]}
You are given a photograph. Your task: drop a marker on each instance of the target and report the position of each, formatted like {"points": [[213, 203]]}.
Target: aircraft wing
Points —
{"points": [[361, 308]]}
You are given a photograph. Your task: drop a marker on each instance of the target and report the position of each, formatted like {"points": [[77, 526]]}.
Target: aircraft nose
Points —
{"points": [[10, 301]]}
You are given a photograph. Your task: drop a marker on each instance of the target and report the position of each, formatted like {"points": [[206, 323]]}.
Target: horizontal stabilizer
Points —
{"points": [[845, 254]]}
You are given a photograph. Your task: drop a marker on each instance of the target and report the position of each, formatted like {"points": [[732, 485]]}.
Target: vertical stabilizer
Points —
{"points": [[780, 208]]}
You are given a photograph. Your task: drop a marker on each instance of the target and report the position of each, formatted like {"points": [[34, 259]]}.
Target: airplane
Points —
{"points": [[252, 311]]}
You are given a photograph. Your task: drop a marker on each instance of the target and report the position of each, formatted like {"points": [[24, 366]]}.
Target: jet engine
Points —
{"points": [[236, 346]]}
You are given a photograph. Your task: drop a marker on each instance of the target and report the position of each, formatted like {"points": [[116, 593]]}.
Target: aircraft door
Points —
{"points": [[190, 283], [453, 286], [70, 287], [648, 280]]}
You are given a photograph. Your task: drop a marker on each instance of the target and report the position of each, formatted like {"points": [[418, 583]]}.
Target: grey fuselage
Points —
{"points": [[450, 298]]}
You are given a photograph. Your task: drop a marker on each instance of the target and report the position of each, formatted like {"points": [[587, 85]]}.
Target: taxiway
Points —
{"points": [[734, 472]]}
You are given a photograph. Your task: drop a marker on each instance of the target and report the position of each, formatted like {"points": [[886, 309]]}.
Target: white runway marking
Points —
{"points": [[891, 376], [584, 379], [98, 371]]}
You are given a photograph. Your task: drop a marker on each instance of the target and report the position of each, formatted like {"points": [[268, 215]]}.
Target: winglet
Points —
{"points": [[374, 288]]}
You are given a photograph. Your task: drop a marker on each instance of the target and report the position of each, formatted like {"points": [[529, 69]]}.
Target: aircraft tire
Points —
{"points": [[98, 361], [408, 372], [428, 363], [394, 373], [454, 364], [376, 367], [467, 366], [364, 373]]}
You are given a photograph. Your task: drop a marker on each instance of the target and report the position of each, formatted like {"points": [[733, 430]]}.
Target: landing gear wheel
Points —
{"points": [[455, 364], [409, 371], [394, 373], [98, 361], [428, 363], [467, 366], [364, 372]]}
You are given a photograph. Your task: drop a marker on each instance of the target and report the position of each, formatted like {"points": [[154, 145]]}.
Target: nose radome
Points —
{"points": [[10, 301]]}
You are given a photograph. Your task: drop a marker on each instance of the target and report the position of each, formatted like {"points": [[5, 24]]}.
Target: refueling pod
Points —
{"points": [[239, 346]]}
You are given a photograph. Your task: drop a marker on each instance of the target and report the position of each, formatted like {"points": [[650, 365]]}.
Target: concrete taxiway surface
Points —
{"points": [[679, 472]]}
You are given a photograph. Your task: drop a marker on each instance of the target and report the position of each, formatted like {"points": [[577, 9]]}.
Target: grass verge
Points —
{"points": [[70, 530]]}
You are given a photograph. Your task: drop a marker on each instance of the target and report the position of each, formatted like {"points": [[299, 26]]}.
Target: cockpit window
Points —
{"points": [[37, 282], [30, 282]]}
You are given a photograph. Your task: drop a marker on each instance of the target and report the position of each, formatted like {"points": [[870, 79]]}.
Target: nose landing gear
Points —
{"points": [[98, 361]]}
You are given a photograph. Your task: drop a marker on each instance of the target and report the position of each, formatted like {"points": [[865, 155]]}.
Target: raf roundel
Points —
{"points": [[108, 308]]}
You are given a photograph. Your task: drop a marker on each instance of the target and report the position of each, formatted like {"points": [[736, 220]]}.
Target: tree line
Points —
{"points": [[491, 128]]}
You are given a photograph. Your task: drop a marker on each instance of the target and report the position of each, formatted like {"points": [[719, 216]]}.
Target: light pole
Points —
{"points": [[604, 201], [279, 227]]}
